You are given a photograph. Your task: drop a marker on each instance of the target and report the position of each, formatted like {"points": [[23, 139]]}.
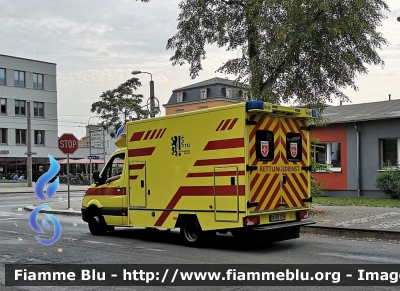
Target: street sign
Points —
{"points": [[68, 143], [93, 157], [96, 135], [96, 142]]}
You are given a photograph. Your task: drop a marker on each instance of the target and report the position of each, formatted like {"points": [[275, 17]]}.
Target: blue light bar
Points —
{"points": [[314, 113], [254, 104]]}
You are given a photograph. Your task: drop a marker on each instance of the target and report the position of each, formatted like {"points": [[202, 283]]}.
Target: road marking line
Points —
{"points": [[9, 213], [4, 206], [11, 218], [368, 218]]}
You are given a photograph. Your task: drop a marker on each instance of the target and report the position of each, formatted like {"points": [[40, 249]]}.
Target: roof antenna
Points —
{"points": [[389, 96]]}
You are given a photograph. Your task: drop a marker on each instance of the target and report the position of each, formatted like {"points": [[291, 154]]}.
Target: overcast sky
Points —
{"points": [[96, 44]]}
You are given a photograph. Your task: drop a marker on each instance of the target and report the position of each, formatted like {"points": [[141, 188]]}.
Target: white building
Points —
{"points": [[23, 81]]}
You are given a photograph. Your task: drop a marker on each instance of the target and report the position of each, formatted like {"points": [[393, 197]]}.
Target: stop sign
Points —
{"points": [[68, 143]]}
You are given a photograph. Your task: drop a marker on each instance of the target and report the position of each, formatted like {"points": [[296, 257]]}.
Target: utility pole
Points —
{"points": [[104, 147], [90, 155], [152, 103], [29, 145]]}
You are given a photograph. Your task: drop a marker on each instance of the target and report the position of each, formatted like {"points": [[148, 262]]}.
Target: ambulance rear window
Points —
{"points": [[294, 147], [264, 145]]}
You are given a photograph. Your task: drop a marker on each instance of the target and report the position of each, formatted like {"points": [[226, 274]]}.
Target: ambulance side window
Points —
{"points": [[264, 145], [294, 147]]}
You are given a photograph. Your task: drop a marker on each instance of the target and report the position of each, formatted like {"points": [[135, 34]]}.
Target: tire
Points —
{"points": [[192, 234], [97, 224]]}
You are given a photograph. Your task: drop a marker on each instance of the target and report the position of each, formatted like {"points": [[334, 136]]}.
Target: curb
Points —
{"points": [[354, 233], [30, 208]]}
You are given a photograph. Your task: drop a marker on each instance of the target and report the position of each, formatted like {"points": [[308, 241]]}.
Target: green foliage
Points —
{"points": [[357, 201], [301, 50], [388, 181], [317, 186], [123, 99]]}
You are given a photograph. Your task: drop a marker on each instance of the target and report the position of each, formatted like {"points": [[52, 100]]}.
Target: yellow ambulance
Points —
{"points": [[242, 168]]}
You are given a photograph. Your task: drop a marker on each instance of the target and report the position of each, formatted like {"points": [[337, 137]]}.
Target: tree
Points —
{"points": [[117, 105], [300, 50]]}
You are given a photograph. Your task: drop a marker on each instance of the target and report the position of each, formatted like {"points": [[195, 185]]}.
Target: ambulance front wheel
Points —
{"points": [[97, 224]]}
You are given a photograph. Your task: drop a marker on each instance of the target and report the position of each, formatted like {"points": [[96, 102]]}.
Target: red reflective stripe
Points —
{"points": [[159, 133], [137, 136], [163, 132], [198, 191], [268, 190], [147, 135], [223, 161], [233, 123], [225, 144], [219, 126], [141, 152], [225, 124], [109, 191], [211, 174], [153, 134], [133, 177], [136, 167]]}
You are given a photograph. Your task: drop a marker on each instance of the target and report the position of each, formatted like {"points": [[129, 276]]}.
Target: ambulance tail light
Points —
{"points": [[302, 214], [251, 220]]}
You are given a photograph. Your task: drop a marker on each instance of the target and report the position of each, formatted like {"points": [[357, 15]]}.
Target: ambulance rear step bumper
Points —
{"points": [[283, 225]]}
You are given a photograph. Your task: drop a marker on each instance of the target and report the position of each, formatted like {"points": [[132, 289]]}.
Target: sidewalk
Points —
{"points": [[348, 221], [61, 188]]}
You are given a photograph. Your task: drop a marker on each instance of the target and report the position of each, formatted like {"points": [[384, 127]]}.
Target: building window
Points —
{"points": [[390, 149], [228, 93], [37, 81], [38, 109], [203, 94], [179, 97], [19, 107], [2, 76], [3, 105], [203, 107], [19, 78], [20, 136], [179, 111], [39, 137], [329, 154], [3, 135]]}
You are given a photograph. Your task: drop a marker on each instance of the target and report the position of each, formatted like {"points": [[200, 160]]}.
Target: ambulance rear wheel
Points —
{"points": [[192, 233], [97, 224]]}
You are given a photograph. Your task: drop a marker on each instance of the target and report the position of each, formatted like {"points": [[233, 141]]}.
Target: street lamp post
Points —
{"points": [[152, 103]]}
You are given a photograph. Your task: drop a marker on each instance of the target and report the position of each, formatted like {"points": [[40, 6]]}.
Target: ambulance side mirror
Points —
{"points": [[96, 177]]}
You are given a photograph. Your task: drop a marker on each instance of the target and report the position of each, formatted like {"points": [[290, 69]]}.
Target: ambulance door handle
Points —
{"points": [[148, 192], [142, 183], [233, 181], [284, 179], [118, 188]]}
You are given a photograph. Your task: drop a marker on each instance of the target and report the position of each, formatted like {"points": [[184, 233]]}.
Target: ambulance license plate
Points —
{"points": [[277, 217]]}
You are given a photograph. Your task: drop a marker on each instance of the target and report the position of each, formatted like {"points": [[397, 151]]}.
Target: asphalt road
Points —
{"points": [[137, 246]]}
